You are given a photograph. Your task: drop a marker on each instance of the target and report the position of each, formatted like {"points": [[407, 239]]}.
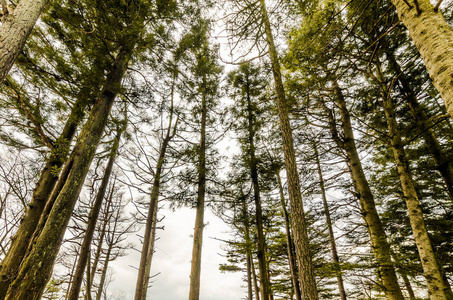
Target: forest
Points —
{"points": [[319, 132]]}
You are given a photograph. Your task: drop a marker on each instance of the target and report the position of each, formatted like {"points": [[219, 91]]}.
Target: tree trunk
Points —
{"points": [[103, 231], [248, 250], [104, 273], [92, 220], [195, 271], [150, 228], [37, 267], [261, 253], [433, 38], [444, 166], [306, 272], [289, 240], [15, 29], [10, 265], [436, 288], [333, 246], [255, 280], [372, 220]]}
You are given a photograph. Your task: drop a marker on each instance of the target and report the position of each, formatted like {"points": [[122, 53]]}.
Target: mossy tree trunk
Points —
{"points": [[9, 267], [36, 268], [433, 38]]}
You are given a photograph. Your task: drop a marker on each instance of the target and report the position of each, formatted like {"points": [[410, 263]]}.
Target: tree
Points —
{"points": [[433, 37], [16, 27]]}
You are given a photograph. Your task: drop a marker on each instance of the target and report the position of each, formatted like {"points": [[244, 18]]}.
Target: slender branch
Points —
{"points": [[436, 8]]}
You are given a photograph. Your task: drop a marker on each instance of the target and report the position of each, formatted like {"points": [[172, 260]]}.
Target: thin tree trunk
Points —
{"points": [[289, 241], [150, 228], [333, 246], [248, 250], [261, 252], [306, 272], [436, 287], [104, 273], [195, 271], [89, 275], [37, 267], [103, 231], [14, 31], [433, 38], [378, 238], [443, 164], [10, 265], [92, 220], [255, 280]]}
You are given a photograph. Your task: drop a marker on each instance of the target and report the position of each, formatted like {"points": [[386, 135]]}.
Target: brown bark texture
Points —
{"points": [[306, 272], [36, 268], [15, 29], [433, 38]]}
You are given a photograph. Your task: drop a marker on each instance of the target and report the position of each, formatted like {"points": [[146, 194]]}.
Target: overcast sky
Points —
{"points": [[172, 260]]}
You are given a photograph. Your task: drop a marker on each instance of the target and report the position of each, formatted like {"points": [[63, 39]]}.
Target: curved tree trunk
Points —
{"points": [[433, 38], [15, 29], [10, 265], [36, 268], [306, 273]]}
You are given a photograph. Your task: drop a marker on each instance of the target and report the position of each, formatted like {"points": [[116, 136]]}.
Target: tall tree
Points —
{"points": [[306, 272]]}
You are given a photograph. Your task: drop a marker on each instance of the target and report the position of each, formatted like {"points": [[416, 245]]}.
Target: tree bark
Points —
{"points": [[41, 194], [433, 38], [306, 272], [84, 255], [378, 238], [436, 287], [15, 29], [195, 271], [37, 267], [333, 246], [289, 240]]}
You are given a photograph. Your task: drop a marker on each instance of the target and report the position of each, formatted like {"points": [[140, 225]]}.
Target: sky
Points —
{"points": [[172, 260]]}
